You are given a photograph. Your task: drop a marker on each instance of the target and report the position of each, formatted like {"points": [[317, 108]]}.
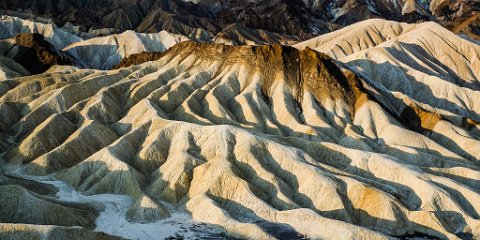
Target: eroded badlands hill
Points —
{"points": [[87, 50], [264, 142]]}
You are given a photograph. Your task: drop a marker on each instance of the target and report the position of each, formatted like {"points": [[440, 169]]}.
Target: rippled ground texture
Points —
{"points": [[377, 138]]}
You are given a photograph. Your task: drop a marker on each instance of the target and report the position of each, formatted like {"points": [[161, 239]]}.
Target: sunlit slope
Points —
{"points": [[262, 141], [425, 61], [424, 64]]}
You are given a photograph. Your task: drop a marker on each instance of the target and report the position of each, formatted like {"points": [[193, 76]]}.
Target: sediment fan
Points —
{"points": [[380, 141]]}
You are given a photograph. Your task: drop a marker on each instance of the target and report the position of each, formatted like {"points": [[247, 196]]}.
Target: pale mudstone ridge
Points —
{"points": [[9, 68], [422, 64], [59, 38], [106, 52], [95, 52], [263, 141]]}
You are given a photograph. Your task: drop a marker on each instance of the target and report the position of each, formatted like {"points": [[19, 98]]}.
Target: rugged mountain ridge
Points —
{"points": [[104, 52], [302, 19]]}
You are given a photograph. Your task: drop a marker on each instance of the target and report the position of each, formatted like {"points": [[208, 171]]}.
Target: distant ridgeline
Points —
{"points": [[293, 19]]}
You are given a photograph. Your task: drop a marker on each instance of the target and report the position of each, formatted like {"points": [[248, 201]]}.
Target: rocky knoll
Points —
{"points": [[266, 142], [138, 58]]}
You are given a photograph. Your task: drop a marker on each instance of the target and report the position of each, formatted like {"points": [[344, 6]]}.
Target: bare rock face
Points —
{"points": [[138, 58], [301, 19], [181, 17], [458, 16], [36, 54], [239, 34]]}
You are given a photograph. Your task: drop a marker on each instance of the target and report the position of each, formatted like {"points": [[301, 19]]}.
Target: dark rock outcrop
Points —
{"points": [[36, 54], [302, 19], [138, 58]]}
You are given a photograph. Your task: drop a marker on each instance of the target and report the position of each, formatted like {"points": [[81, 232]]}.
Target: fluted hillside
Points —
{"points": [[261, 142]]}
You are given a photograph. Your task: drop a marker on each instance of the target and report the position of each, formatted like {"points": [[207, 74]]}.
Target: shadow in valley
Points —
{"points": [[241, 213], [423, 93]]}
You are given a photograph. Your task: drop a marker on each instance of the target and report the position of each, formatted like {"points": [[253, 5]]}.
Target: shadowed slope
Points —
{"points": [[36, 54], [106, 52], [259, 140], [302, 19], [424, 66]]}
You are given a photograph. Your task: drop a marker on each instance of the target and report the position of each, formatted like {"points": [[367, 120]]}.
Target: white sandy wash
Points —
{"points": [[112, 219]]}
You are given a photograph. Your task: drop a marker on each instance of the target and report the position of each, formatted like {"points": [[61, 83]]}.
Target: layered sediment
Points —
{"points": [[372, 139]]}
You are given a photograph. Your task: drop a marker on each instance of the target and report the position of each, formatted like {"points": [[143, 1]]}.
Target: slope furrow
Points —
{"points": [[263, 141]]}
